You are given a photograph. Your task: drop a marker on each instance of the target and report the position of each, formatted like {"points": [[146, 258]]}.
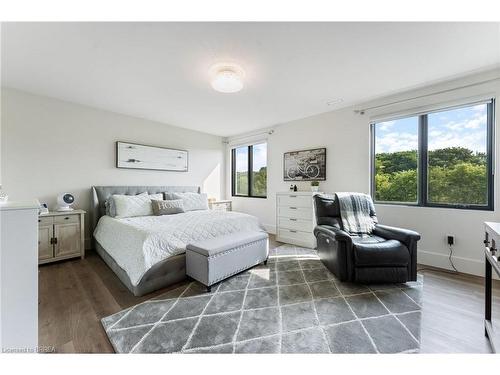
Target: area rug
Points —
{"points": [[292, 305]]}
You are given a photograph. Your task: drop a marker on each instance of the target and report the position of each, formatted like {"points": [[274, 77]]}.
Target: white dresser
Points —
{"points": [[295, 218], [18, 277]]}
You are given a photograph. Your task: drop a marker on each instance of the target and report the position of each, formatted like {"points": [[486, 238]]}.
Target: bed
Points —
{"points": [[148, 252]]}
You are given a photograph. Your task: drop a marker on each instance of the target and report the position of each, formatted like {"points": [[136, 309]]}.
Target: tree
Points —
{"points": [[456, 175]]}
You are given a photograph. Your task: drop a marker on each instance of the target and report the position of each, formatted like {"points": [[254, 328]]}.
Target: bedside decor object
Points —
{"points": [[223, 205], [314, 186], [64, 201], [306, 165], [136, 156], [44, 209], [60, 236], [295, 219]]}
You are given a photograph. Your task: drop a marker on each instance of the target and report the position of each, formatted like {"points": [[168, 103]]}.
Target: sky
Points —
{"points": [[461, 127], [259, 157]]}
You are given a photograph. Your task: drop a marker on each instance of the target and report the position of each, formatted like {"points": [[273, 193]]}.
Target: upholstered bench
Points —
{"points": [[214, 260]]}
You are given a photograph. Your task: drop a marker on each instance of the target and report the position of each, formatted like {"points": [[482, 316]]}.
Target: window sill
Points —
{"points": [[454, 208]]}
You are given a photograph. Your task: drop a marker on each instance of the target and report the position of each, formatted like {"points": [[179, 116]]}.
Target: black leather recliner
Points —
{"points": [[388, 255]]}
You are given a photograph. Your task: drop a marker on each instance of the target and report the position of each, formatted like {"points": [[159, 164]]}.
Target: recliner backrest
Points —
{"points": [[327, 210]]}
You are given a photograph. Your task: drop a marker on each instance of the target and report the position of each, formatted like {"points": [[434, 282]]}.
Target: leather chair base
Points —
{"points": [[381, 274]]}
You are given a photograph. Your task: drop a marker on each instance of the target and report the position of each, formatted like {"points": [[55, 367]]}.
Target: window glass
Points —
{"points": [[457, 163], [396, 160], [259, 170], [241, 171]]}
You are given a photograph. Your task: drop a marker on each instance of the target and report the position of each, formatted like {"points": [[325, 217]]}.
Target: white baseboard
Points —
{"points": [[464, 265]]}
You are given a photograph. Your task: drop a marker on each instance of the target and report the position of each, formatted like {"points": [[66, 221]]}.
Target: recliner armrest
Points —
{"points": [[332, 232], [405, 236]]}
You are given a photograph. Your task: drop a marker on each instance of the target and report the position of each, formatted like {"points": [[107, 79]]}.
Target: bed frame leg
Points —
{"points": [[265, 262], [209, 289]]}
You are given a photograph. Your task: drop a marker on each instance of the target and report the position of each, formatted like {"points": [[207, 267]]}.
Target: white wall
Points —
{"points": [[347, 139], [50, 146]]}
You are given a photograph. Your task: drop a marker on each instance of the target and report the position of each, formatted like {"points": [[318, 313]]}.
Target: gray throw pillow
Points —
{"points": [[191, 201], [167, 207], [110, 207]]}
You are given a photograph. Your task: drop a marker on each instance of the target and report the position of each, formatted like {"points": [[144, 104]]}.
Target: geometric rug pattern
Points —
{"points": [[291, 305]]}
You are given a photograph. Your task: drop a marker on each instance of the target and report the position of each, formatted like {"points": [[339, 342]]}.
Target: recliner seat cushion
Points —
{"points": [[374, 251]]}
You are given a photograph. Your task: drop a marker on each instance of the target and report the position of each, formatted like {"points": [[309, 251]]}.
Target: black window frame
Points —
{"points": [[422, 161], [250, 172]]}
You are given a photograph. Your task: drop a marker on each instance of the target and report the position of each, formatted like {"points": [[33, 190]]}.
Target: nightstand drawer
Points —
{"points": [[65, 219], [220, 205], [43, 221]]}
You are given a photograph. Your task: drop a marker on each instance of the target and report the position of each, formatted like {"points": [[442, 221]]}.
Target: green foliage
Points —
{"points": [[455, 175], [464, 183], [259, 179]]}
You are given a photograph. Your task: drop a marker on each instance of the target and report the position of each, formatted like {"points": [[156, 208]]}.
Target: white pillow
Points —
{"points": [[190, 201], [132, 205]]}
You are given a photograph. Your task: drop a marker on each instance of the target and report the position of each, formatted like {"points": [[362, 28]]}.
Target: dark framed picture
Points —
{"points": [[305, 165], [137, 156]]}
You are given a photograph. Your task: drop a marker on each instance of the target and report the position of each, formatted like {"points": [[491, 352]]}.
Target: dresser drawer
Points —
{"points": [[295, 224], [295, 212], [304, 238], [295, 200], [43, 221], [66, 219]]}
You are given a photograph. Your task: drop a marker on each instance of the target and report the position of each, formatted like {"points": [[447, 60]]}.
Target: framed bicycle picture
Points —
{"points": [[305, 165]]}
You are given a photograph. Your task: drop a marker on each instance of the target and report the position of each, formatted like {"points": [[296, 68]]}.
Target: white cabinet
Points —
{"points": [[295, 218], [60, 236], [18, 277]]}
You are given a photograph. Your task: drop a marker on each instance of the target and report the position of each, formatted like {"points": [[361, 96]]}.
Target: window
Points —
{"points": [[249, 171], [437, 159]]}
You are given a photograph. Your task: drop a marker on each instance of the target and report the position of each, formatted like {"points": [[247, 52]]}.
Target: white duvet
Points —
{"points": [[138, 243]]}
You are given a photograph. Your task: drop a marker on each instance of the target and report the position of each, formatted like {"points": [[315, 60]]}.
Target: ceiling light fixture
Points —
{"points": [[227, 78]]}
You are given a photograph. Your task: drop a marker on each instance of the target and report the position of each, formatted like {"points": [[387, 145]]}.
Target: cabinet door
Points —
{"points": [[45, 248], [68, 239]]}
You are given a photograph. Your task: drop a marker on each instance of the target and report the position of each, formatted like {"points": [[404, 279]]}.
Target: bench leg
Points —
{"points": [[209, 289]]}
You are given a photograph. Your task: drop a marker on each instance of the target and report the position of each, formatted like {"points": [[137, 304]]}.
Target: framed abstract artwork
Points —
{"points": [[305, 165], [137, 156]]}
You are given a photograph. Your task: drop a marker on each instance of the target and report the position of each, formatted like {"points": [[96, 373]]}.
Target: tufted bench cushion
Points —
{"points": [[214, 260]]}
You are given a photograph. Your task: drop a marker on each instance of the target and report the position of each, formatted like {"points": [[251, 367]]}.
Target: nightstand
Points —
{"points": [[60, 236], [220, 205]]}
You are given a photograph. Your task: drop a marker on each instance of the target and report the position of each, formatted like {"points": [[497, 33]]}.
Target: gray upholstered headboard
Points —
{"points": [[101, 193]]}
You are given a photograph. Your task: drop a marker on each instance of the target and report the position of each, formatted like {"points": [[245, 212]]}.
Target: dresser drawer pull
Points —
{"points": [[293, 219], [293, 196], [66, 218], [293, 231], [293, 208]]}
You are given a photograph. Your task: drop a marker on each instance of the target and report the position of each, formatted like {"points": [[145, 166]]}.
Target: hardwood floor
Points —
{"points": [[76, 294]]}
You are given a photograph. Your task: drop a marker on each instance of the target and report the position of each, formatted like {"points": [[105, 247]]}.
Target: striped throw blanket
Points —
{"points": [[357, 213]]}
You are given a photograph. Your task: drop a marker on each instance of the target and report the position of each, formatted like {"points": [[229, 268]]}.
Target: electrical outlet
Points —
{"points": [[450, 239]]}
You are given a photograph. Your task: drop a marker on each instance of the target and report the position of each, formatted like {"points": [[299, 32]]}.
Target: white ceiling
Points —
{"points": [[159, 71]]}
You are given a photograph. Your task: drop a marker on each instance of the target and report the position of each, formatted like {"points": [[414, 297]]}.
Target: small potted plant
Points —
{"points": [[314, 186]]}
